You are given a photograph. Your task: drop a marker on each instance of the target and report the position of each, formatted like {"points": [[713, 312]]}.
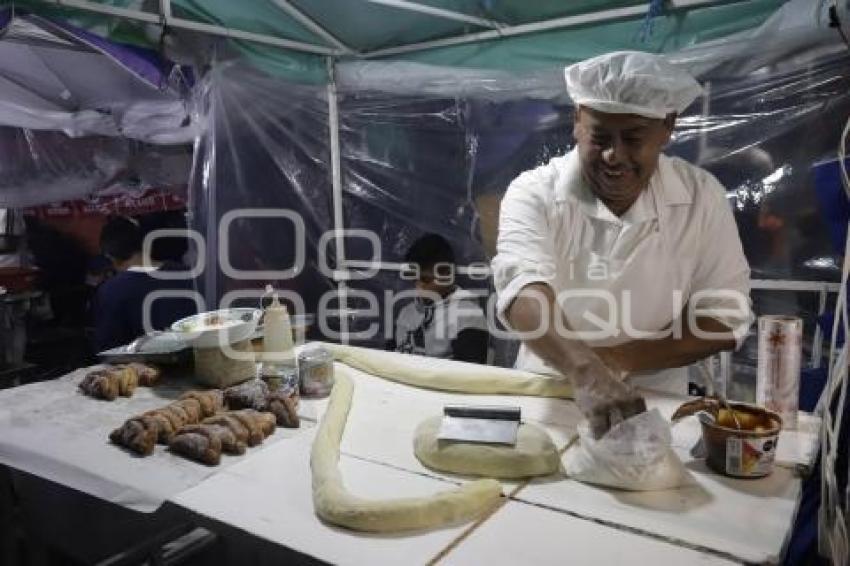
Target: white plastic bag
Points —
{"points": [[634, 455]]}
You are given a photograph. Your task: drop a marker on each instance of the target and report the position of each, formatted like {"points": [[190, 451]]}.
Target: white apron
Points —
{"points": [[630, 261]]}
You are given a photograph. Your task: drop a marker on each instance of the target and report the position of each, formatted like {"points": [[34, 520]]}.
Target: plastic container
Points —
{"points": [[746, 453], [779, 360], [315, 372]]}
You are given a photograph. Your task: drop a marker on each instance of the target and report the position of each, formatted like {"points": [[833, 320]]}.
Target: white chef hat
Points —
{"points": [[631, 82]]}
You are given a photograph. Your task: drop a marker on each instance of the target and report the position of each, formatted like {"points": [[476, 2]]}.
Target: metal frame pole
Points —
{"points": [[336, 188]]}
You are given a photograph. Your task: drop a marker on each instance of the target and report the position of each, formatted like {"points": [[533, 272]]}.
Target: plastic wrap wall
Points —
{"points": [[39, 167], [428, 149], [265, 149]]}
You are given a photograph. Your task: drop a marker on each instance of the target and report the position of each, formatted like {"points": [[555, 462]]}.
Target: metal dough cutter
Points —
{"points": [[486, 424]]}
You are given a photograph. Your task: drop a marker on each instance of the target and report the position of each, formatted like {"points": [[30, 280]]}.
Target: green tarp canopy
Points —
{"points": [[294, 38]]}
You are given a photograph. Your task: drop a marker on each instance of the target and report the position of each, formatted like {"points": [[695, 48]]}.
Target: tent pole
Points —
{"points": [[312, 25], [546, 25], [438, 12], [336, 188], [180, 23], [165, 11]]}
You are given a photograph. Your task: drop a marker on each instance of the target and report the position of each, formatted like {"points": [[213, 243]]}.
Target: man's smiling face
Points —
{"points": [[619, 153]]}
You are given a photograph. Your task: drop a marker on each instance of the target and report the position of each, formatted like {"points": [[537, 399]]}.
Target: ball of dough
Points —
{"points": [[534, 453]]}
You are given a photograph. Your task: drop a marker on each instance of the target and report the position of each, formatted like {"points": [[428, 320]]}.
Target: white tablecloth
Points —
{"points": [[51, 430]]}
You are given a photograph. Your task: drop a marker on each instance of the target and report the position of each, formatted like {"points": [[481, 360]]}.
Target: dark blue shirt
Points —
{"points": [[118, 306]]}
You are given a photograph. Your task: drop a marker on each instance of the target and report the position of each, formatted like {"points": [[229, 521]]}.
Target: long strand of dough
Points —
{"points": [[336, 505], [448, 375]]}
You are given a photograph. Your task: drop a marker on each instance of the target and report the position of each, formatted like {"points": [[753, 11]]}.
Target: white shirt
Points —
{"points": [[428, 329], [612, 274]]}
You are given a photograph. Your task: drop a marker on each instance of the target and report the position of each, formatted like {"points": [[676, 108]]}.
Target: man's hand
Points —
{"points": [[601, 396]]}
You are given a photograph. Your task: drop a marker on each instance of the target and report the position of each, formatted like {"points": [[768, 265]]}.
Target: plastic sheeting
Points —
{"points": [[265, 147], [39, 167], [431, 149], [54, 76]]}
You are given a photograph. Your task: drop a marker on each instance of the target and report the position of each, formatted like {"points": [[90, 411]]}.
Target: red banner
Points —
{"points": [[152, 200]]}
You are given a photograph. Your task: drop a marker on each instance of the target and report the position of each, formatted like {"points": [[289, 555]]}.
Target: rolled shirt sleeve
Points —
{"points": [[524, 253], [721, 281]]}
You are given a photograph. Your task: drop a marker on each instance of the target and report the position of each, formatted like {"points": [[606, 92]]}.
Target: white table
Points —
{"points": [[266, 495]]}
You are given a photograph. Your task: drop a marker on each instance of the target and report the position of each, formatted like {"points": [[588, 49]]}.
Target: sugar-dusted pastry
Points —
{"points": [[199, 444], [128, 379], [100, 384], [148, 375], [263, 420], [249, 395], [211, 401], [138, 434], [284, 408], [248, 419], [233, 424], [166, 427], [175, 414], [110, 382], [229, 443], [192, 408], [175, 421]]}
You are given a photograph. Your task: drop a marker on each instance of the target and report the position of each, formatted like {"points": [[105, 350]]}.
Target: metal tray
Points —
{"points": [[159, 348]]}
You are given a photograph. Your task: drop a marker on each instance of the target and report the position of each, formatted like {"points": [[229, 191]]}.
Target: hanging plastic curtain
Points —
{"points": [[261, 188]]}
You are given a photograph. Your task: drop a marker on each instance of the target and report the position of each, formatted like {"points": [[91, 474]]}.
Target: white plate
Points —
{"points": [[217, 328]]}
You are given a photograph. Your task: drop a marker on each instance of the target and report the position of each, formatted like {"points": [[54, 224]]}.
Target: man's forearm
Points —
{"points": [[599, 394], [669, 352], [534, 312]]}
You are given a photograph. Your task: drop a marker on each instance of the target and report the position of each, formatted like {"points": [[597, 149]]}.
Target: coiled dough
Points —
{"points": [[449, 375], [334, 504]]}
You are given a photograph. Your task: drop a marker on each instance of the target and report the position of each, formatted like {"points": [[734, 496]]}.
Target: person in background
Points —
{"points": [[118, 306], [444, 321]]}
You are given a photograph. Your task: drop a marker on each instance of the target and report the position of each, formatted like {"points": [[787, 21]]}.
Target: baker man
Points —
{"points": [[615, 260]]}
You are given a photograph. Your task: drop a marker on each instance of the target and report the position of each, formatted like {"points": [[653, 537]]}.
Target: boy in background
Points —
{"points": [[444, 321]]}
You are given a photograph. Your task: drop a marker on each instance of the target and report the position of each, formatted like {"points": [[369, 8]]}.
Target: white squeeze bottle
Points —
{"points": [[277, 338]]}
